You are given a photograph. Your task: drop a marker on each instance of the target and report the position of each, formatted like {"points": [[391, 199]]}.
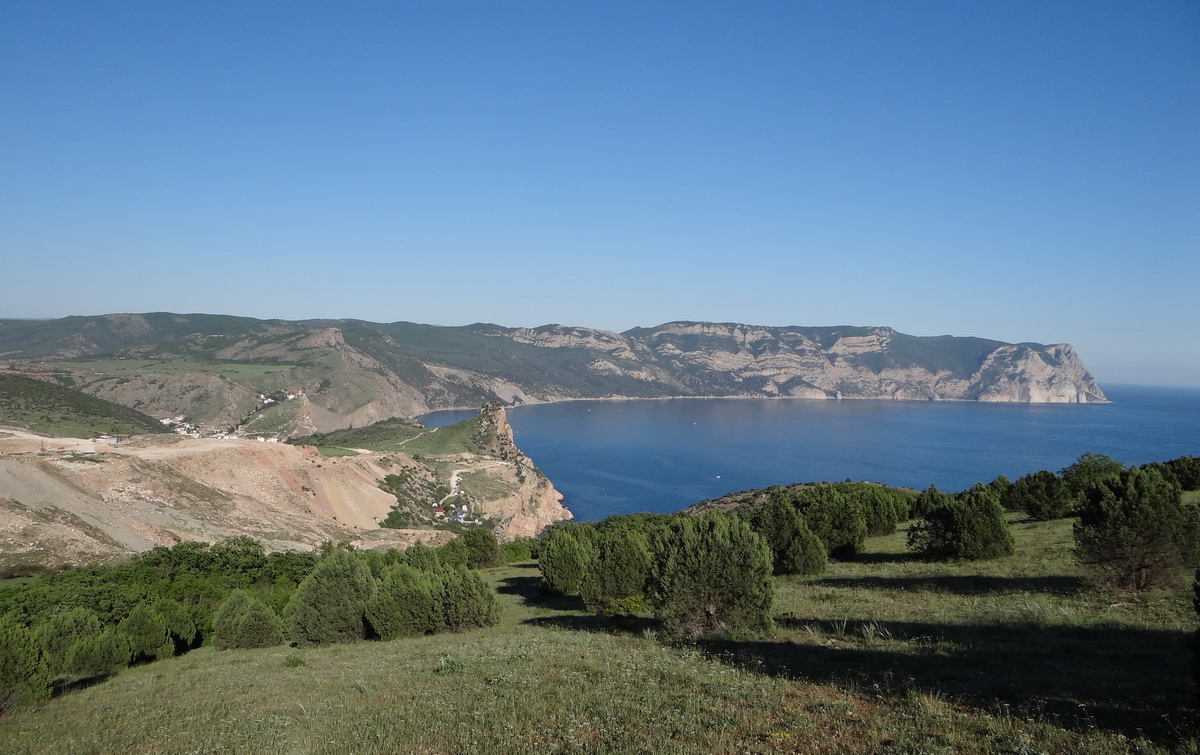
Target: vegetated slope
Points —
{"points": [[352, 373], [71, 505], [54, 409], [884, 654]]}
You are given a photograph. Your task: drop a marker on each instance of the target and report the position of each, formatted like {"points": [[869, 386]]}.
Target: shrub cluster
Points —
{"points": [[93, 621], [966, 527]]}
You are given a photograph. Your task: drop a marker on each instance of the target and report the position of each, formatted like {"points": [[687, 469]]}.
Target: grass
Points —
{"points": [[885, 654]]}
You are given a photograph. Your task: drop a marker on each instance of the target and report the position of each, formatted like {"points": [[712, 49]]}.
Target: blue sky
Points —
{"points": [[1024, 171]]}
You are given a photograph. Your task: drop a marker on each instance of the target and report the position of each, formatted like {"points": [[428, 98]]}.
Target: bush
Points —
{"points": [[420, 556], [517, 551], [180, 626], [453, 553], [483, 550], [564, 561], [794, 547], [834, 517], [710, 574], [618, 571], [1090, 470], [147, 633], [1186, 470], [1042, 495], [328, 605], [463, 599], [404, 605], [61, 631], [1136, 532], [927, 500], [24, 673], [100, 655], [969, 527], [244, 621]]}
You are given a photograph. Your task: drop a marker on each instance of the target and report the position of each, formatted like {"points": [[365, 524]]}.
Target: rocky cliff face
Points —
{"points": [[351, 373], [534, 505], [737, 360]]}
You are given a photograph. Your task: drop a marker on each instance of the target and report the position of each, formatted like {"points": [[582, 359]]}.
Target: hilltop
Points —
{"points": [[57, 410], [283, 378]]}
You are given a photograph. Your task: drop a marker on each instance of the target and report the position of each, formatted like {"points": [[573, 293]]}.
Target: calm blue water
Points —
{"points": [[616, 457]]}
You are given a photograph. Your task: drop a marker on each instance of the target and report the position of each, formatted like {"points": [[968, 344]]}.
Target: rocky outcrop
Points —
{"points": [[534, 504]]}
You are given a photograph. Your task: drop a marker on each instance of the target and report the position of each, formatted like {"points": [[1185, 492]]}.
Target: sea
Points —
{"points": [[623, 456]]}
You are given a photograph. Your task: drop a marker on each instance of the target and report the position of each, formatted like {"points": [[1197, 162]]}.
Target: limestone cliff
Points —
{"points": [[350, 373]]}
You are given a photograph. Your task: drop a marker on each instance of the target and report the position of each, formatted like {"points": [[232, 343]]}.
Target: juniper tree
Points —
{"points": [[244, 621], [795, 549], [404, 604], [1136, 532], [619, 570], [483, 550], [967, 527], [564, 561], [56, 635], [24, 674], [328, 605], [147, 633], [710, 574]]}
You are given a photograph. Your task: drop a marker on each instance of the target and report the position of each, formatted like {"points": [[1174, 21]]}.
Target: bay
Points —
{"points": [[617, 457]]}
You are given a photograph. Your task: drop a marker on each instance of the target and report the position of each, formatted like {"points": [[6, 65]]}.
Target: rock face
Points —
{"points": [[214, 369], [534, 505]]}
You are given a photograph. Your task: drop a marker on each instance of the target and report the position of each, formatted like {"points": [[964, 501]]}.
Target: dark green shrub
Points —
{"points": [[970, 527], [1088, 471], [794, 547], [835, 518], [483, 550], [180, 626], [564, 561], [710, 574], [1186, 470], [453, 553], [421, 556], [463, 599], [328, 605], [618, 571], [24, 674], [404, 604], [517, 551], [1136, 532], [244, 621], [238, 562], [147, 633], [56, 635], [100, 655], [1042, 495], [927, 500], [1002, 487]]}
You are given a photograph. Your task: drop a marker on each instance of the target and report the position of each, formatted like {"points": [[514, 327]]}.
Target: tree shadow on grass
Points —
{"points": [[964, 585], [62, 686], [1131, 681], [529, 590], [624, 624]]}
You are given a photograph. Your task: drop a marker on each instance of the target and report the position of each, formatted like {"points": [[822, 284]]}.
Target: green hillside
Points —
{"points": [[886, 654], [53, 409]]}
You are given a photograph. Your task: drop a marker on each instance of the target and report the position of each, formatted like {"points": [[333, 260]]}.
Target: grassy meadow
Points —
{"points": [[883, 654]]}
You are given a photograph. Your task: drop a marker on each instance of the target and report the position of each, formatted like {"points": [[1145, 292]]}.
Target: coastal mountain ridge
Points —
{"points": [[218, 370]]}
